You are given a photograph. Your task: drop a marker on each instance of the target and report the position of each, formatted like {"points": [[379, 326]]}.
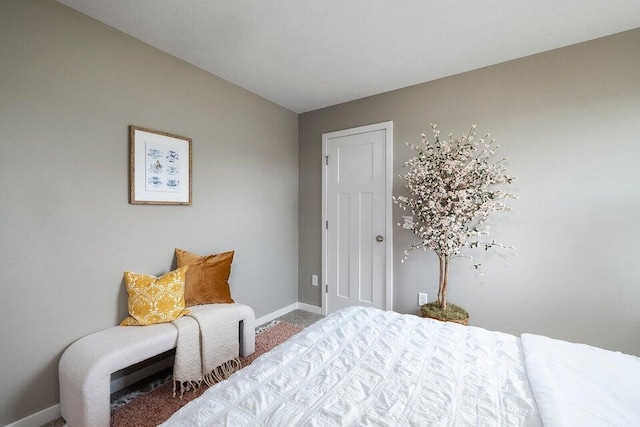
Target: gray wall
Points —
{"points": [[569, 120], [69, 89]]}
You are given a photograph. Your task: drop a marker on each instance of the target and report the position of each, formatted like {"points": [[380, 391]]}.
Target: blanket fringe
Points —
{"points": [[222, 372], [219, 374], [186, 386]]}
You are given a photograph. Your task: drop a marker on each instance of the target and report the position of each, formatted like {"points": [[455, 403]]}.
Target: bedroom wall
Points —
{"points": [[69, 88], [569, 120]]}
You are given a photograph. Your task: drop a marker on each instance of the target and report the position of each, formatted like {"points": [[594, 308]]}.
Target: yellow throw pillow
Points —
{"points": [[207, 279], [155, 299]]}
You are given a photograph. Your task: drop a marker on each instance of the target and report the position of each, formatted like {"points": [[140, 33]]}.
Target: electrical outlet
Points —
{"points": [[422, 298], [314, 280]]}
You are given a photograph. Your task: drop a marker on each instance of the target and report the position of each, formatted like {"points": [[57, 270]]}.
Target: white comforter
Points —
{"points": [[366, 367], [580, 385]]}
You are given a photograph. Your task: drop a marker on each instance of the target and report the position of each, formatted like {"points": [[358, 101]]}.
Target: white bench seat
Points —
{"points": [[86, 365]]}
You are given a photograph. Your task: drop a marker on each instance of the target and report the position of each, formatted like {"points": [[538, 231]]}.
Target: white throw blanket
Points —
{"points": [[208, 346]]}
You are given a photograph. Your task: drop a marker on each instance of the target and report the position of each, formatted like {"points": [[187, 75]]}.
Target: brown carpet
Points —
{"points": [[157, 406]]}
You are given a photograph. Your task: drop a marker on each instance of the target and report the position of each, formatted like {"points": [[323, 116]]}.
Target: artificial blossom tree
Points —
{"points": [[452, 183]]}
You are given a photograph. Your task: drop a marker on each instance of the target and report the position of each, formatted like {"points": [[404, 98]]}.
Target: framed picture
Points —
{"points": [[160, 168]]}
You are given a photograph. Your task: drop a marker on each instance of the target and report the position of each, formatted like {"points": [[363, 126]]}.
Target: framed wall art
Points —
{"points": [[159, 168]]}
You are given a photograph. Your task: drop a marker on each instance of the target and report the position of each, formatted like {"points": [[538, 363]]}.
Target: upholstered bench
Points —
{"points": [[86, 365]]}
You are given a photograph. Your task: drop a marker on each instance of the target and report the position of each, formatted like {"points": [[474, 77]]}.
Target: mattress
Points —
{"points": [[365, 367]]}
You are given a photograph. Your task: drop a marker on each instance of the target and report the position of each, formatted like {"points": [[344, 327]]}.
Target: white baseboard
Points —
{"points": [[39, 418], [269, 317], [310, 308], [295, 306]]}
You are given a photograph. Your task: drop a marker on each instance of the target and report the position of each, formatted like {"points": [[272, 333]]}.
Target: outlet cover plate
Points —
{"points": [[314, 280], [422, 298]]}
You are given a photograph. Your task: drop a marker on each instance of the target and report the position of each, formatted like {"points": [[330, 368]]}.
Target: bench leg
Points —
{"points": [[248, 335], [87, 404]]}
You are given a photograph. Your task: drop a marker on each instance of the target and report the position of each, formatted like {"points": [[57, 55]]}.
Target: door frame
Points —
{"points": [[388, 128]]}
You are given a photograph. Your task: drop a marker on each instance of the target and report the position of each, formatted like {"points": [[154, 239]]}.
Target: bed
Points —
{"points": [[367, 367]]}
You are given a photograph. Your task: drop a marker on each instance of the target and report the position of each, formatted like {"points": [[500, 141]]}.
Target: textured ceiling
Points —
{"points": [[306, 55]]}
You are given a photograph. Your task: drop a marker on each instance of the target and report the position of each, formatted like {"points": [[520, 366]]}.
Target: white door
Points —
{"points": [[357, 240]]}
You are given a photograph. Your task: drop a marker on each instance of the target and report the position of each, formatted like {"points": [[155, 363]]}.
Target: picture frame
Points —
{"points": [[159, 168]]}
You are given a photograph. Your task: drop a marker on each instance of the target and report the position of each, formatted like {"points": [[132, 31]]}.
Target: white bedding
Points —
{"points": [[580, 385], [365, 367]]}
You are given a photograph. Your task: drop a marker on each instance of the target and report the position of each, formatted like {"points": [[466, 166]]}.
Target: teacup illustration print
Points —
{"points": [[155, 153], [155, 181], [173, 156], [155, 167], [173, 170], [173, 182]]}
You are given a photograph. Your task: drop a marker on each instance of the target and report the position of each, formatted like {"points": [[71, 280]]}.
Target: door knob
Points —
{"points": [[379, 238]]}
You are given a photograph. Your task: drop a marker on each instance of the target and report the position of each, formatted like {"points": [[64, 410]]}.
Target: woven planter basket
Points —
{"points": [[462, 322], [432, 311]]}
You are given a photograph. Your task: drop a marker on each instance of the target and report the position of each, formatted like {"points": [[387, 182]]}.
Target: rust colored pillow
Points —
{"points": [[207, 279]]}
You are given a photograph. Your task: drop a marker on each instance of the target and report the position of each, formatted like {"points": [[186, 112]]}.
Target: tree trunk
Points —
{"points": [[443, 281]]}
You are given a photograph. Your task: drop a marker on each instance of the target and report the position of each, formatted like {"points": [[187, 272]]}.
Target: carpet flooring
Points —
{"points": [[300, 317], [151, 402]]}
